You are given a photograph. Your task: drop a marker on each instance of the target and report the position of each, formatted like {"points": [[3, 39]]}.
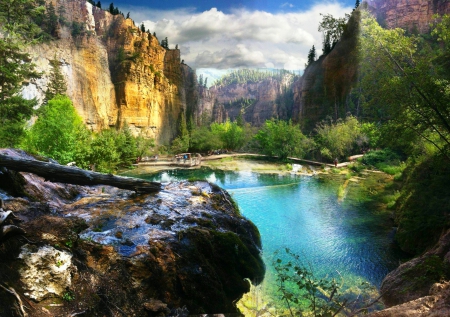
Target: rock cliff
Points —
{"points": [[115, 73], [418, 287], [101, 251], [326, 85], [255, 101], [412, 15]]}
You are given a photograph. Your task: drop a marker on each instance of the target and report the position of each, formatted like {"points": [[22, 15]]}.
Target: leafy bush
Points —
{"points": [[56, 131], [282, 139]]}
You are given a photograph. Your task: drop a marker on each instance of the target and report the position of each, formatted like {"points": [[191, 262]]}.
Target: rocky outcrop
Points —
{"points": [[434, 305], [256, 102], [325, 87], [412, 15], [418, 287], [104, 251], [115, 73]]}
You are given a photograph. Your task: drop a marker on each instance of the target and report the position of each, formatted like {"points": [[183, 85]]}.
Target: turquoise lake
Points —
{"points": [[303, 213]]}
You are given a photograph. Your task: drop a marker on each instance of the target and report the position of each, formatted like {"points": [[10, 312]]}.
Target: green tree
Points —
{"points": [[311, 56], [99, 4], [142, 27], [204, 140], [16, 70], [230, 133], [332, 29], [280, 138], [57, 83], [339, 139], [357, 4], [55, 133], [51, 19], [404, 86], [126, 146]]}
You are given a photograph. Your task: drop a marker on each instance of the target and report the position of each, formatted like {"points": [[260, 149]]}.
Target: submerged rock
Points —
{"points": [[185, 248]]}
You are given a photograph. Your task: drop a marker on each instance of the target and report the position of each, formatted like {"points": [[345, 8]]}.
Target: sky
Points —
{"points": [[215, 36]]}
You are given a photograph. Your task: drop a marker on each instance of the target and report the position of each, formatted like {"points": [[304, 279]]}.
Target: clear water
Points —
{"points": [[303, 214]]}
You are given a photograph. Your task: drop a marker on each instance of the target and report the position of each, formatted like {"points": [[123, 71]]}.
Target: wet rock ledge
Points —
{"points": [[101, 251]]}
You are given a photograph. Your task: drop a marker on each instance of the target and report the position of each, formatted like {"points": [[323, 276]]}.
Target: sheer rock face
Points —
{"points": [[115, 73], [325, 87], [264, 101], [412, 15], [141, 255]]}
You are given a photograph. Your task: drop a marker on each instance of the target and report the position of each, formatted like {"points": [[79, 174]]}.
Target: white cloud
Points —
{"points": [[241, 38], [287, 5]]}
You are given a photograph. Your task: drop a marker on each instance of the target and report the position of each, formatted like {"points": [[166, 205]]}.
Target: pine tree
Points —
{"points": [[99, 4], [311, 56], [128, 15], [52, 19], [357, 4], [326, 45], [111, 8], [142, 27], [57, 84], [15, 68]]}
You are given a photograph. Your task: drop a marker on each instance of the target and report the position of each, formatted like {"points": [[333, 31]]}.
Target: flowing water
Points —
{"points": [[304, 214]]}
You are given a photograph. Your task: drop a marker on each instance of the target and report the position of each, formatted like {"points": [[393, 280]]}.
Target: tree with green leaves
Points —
{"points": [[142, 27], [55, 133], [280, 138], [405, 86], [357, 4], [111, 8], [99, 4], [332, 29], [339, 138]]}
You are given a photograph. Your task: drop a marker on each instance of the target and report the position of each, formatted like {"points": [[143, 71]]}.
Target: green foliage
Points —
{"points": [[405, 85], [55, 133], [204, 140], [68, 296], [423, 209], [311, 56], [304, 293], [57, 83], [381, 156], [332, 29], [282, 139], [339, 139], [230, 133], [242, 76], [18, 30]]}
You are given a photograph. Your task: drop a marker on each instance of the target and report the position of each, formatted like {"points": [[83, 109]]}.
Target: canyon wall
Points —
{"points": [[115, 73], [412, 15], [325, 87], [256, 102]]}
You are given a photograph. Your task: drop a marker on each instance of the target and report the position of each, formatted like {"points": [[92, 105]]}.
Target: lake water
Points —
{"points": [[304, 214]]}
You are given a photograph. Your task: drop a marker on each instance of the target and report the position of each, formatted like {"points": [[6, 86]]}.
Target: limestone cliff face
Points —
{"points": [[324, 89], [256, 101], [412, 15], [115, 73]]}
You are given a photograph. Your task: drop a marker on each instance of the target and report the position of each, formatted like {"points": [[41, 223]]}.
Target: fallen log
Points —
{"points": [[77, 176]]}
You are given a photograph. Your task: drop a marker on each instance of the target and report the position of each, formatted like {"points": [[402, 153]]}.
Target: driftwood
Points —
{"points": [[74, 175]]}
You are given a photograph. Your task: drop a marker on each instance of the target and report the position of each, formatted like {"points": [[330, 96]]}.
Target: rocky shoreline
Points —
{"points": [[103, 251]]}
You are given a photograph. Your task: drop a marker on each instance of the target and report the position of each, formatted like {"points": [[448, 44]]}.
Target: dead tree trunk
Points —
{"points": [[74, 175]]}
